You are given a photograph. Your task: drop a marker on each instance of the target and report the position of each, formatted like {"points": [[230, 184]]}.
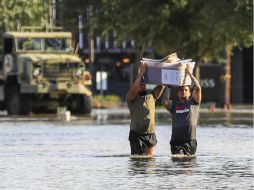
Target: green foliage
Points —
{"points": [[107, 101], [16, 13], [194, 28], [220, 25], [90, 10]]}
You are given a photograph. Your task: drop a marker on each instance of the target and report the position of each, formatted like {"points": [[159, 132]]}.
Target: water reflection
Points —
{"points": [[187, 166], [91, 156], [142, 165], [163, 166], [183, 159], [178, 166]]}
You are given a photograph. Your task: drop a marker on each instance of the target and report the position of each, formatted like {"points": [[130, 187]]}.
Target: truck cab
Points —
{"points": [[39, 72]]}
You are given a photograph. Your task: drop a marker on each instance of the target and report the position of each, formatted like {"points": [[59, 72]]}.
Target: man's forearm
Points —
{"points": [[166, 94], [165, 99], [158, 91], [195, 81], [134, 88]]}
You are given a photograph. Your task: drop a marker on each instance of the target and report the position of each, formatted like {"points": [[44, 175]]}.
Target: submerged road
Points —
{"points": [[85, 153], [121, 115]]}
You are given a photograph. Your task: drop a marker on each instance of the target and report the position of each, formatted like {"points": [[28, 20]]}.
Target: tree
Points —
{"points": [[17, 13], [224, 26], [89, 10], [203, 30], [194, 28]]}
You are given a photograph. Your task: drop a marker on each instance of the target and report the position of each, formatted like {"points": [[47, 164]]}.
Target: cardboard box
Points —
{"points": [[168, 73]]}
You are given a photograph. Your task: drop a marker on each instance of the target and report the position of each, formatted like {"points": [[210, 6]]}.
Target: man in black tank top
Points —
{"points": [[184, 117]]}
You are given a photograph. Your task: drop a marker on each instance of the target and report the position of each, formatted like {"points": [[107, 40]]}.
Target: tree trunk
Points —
{"points": [[227, 100]]}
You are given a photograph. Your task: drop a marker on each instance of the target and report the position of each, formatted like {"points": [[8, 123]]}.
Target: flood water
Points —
{"points": [[89, 155]]}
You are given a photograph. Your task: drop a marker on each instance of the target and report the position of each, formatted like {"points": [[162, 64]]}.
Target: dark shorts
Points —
{"points": [[139, 142], [185, 147]]}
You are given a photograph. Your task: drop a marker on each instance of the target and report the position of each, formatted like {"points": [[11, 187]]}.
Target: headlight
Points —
{"points": [[37, 72], [8, 63], [79, 73], [87, 76]]}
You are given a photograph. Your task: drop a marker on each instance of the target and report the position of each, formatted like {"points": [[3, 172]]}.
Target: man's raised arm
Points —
{"points": [[134, 89], [157, 91], [165, 99], [196, 94]]}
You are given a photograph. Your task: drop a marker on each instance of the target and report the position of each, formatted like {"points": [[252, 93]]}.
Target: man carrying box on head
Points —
{"points": [[141, 104], [184, 116]]}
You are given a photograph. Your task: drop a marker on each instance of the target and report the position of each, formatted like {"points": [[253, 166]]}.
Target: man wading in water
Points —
{"points": [[184, 117], [141, 104]]}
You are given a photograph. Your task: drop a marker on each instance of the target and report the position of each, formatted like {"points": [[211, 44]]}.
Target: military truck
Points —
{"points": [[39, 72]]}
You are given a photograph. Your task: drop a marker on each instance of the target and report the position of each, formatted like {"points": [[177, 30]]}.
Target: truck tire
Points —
{"points": [[87, 104], [17, 104], [26, 104], [81, 104], [13, 103]]}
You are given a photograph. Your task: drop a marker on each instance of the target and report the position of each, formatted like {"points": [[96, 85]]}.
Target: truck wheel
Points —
{"points": [[18, 104], [26, 104], [13, 103], [87, 104], [81, 104]]}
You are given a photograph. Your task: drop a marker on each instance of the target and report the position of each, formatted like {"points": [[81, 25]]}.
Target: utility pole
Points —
{"points": [[52, 14], [91, 34], [227, 98], [80, 26]]}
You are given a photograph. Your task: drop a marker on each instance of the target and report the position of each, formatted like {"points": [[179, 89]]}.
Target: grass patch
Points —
{"points": [[108, 101]]}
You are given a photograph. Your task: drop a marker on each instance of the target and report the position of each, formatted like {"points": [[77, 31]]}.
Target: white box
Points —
{"points": [[168, 73]]}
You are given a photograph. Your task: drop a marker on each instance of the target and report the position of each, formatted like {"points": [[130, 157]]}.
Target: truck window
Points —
{"points": [[8, 45], [57, 44], [27, 44]]}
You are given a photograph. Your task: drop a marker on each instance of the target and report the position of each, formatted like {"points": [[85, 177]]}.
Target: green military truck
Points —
{"points": [[39, 72]]}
